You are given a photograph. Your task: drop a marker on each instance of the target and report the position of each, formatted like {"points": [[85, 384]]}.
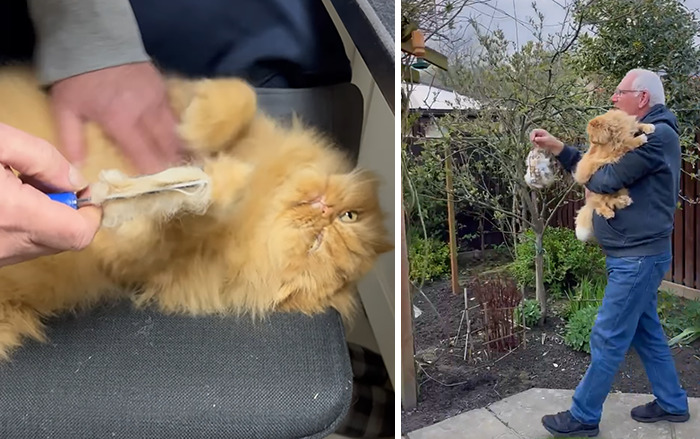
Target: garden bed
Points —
{"points": [[449, 385]]}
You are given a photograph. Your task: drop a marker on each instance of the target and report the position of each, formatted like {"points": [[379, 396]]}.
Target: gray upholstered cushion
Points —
{"points": [[120, 373], [125, 374]]}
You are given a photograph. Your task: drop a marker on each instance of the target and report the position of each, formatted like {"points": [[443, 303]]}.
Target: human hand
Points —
{"points": [[544, 140], [31, 224], [130, 103]]}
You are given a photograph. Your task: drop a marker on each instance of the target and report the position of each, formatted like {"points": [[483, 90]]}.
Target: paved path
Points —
{"points": [[518, 417]]}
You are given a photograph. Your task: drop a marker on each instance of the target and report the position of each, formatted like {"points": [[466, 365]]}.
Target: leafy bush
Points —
{"points": [[530, 309], [567, 261], [578, 330], [428, 259], [425, 200]]}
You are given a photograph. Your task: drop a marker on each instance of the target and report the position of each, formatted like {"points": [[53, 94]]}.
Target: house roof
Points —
{"points": [[429, 97]]}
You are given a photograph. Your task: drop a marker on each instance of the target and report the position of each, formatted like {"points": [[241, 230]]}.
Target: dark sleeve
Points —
{"points": [[569, 157]]}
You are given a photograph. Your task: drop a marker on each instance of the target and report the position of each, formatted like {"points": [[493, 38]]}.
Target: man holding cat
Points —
{"points": [[637, 245]]}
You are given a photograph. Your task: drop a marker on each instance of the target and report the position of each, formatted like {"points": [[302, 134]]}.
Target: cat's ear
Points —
{"points": [[368, 178], [598, 132]]}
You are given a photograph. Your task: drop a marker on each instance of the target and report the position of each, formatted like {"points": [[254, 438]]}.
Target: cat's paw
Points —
{"points": [[623, 201], [647, 128], [220, 110], [605, 212], [642, 138], [229, 179]]}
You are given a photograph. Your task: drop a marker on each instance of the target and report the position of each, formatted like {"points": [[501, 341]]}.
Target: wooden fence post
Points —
{"points": [[409, 387], [451, 220]]}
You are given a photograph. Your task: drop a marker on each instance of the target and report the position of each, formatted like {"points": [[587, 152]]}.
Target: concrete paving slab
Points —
{"points": [[690, 429], [523, 412], [617, 423], [479, 423], [518, 417]]}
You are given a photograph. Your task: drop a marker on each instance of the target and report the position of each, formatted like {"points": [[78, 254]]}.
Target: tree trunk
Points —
{"points": [[481, 235], [540, 292]]}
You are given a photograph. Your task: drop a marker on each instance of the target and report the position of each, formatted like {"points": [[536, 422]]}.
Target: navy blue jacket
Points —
{"points": [[270, 43], [651, 173]]}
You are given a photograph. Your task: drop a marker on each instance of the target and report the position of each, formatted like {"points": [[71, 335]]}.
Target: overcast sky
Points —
{"points": [[511, 16]]}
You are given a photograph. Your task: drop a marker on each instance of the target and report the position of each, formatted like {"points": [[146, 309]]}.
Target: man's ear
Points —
{"points": [[644, 100]]}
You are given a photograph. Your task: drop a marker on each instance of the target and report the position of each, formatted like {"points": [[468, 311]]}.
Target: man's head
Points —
{"points": [[638, 91]]}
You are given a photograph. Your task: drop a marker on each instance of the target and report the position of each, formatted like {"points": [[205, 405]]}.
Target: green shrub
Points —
{"points": [[567, 261], [530, 309], [578, 330], [428, 259]]}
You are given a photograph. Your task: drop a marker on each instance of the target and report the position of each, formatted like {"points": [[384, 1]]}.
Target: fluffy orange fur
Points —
{"points": [[611, 136], [292, 225]]}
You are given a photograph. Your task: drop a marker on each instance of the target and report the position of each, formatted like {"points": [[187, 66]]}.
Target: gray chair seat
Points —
{"points": [[120, 373]]}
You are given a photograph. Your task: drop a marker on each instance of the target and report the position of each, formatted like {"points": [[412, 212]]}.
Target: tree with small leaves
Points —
{"points": [[518, 88], [658, 35]]}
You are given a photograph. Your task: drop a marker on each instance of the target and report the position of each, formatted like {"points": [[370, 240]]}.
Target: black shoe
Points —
{"points": [[565, 425], [652, 412]]}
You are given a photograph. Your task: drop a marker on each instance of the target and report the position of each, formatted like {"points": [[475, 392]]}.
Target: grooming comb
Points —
{"points": [[71, 199]]}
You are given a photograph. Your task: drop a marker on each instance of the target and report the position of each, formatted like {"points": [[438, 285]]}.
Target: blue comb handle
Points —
{"points": [[67, 198]]}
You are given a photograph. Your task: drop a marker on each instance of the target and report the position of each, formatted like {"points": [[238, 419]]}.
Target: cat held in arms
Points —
{"points": [[611, 135], [287, 222]]}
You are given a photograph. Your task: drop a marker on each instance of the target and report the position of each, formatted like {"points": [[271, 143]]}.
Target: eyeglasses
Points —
{"points": [[619, 92]]}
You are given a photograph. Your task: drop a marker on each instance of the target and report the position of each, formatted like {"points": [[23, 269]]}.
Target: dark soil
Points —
{"points": [[449, 385]]}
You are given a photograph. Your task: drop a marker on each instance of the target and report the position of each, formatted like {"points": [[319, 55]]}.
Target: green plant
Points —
{"points": [[530, 310], [588, 293], [578, 330], [567, 261], [679, 317], [688, 336], [429, 259]]}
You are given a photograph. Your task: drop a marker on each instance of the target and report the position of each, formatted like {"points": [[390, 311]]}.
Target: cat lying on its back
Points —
{"points": [[292, 226]]}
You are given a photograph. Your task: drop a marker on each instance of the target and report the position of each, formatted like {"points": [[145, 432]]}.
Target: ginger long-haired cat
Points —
{"points": [[611, 135], [291, 224]]}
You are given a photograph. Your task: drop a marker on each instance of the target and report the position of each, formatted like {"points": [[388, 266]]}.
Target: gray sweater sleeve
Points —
{"points": [[79, 36]]}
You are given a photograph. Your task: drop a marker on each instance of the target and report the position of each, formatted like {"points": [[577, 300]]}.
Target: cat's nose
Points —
{"points": [[327, 210]]}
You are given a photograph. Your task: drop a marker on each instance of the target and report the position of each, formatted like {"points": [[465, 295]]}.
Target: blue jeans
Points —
{"points": [[627, 317]]}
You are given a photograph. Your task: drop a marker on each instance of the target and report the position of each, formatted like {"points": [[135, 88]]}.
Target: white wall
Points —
{"points": [[377, 289]]}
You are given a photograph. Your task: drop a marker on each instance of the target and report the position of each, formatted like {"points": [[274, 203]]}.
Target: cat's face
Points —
{"points": [[612, 128], [330, 230]]}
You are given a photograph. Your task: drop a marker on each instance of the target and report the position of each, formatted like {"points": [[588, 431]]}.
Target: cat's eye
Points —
{"points": [[349, 216]]}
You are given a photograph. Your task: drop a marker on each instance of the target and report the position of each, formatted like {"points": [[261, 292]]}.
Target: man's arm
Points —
{"points": [[569, 158], [630, 168], [79, 36]]}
